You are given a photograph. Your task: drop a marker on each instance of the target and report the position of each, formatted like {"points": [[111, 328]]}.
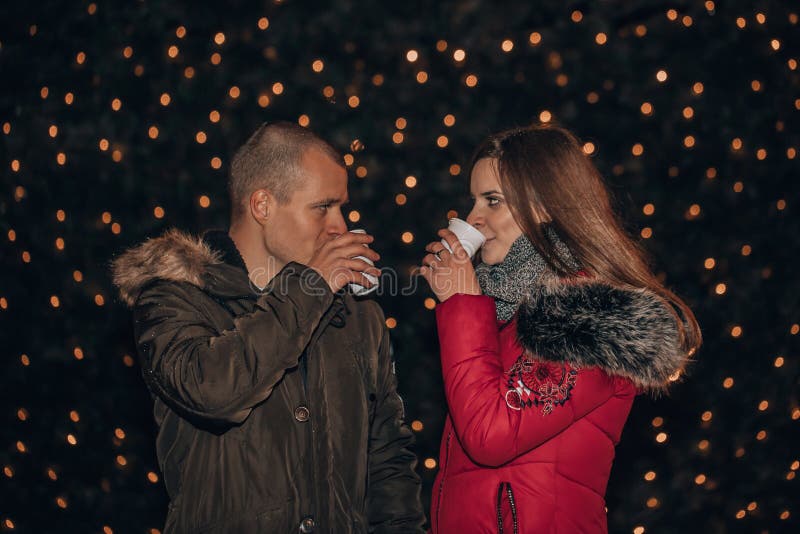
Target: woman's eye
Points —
{"points": [[493, 201]]}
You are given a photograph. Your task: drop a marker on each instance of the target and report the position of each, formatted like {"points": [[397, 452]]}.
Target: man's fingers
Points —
{"points": [[350, 238], [361, 251], [356, 249], [364, 281], [345, 241], [342, 277], [360, 266]]}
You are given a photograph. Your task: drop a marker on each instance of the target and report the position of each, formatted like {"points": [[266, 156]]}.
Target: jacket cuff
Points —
{"points": [[467, 326]]}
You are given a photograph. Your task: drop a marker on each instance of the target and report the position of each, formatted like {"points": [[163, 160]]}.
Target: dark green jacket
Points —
{"points": [[277, 410]]}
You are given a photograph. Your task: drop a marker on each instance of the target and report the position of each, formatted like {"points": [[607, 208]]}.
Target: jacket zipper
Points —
{"points": [[505, 490], [444, 474], [323, 324], [513, 507]]}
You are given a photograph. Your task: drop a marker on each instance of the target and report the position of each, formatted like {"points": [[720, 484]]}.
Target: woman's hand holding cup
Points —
{"points": [[449, 273]]}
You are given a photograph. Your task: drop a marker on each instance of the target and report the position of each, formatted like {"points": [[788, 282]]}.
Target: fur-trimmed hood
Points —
{"points": [[625, 331], [175, 256]]}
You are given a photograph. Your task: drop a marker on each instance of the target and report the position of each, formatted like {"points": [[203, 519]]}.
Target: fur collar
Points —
{"points": [[627, 332], [175, 256]]}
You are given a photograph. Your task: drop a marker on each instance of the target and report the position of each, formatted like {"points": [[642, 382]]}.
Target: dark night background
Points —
{"points": [[703, 165]]}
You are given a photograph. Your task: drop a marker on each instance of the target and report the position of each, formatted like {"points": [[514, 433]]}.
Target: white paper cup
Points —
{"points": [[358, 289], [470, 237]]}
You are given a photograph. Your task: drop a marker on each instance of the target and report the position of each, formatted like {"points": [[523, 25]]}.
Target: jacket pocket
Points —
{"points": [[506, 509]]}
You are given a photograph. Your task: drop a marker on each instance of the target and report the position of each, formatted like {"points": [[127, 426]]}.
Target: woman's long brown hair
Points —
{"points": [[545, 175]]}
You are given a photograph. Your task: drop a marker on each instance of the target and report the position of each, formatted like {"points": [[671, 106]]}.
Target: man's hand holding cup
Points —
{"points": [[338, 263]]}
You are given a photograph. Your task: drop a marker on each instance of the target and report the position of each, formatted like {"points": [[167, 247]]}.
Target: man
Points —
{"points": [[277, 408]]}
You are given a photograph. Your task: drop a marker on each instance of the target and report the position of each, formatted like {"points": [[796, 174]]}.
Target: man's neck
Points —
{"points": [[261, 266]]}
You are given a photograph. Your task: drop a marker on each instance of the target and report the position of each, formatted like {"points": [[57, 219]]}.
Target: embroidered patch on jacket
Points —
{"points": [[536, 383]]}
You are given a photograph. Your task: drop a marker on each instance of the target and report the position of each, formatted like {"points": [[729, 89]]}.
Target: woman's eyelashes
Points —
{"points": [[490, 201]]}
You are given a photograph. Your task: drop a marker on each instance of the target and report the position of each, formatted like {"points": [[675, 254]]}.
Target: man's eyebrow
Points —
{"points": [[330, 200]]}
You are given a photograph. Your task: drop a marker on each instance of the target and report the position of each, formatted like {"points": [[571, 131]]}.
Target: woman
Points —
{"points": [[546, 343]]}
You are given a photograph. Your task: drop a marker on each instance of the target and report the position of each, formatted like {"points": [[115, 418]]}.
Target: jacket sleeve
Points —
{"points": [[492, 430], [393, 501], [218, 377]]}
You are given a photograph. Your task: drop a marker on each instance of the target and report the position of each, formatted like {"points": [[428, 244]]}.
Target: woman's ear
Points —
{"points": [[261, 205]]}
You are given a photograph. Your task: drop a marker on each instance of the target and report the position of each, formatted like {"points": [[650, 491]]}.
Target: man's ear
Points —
{"points": [[262, 205]]}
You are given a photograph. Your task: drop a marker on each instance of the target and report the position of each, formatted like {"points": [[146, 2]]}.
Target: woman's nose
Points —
{"points": [[474, 219]]}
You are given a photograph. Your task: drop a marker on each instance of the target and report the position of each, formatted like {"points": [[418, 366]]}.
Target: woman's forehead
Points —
{"points": [[484, 177]]}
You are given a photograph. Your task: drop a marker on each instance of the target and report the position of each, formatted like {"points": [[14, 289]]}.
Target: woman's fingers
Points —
{"points": [[426, 273], [446, 272], [430, 260], [437, 251], [452, 240], [434, 246]]}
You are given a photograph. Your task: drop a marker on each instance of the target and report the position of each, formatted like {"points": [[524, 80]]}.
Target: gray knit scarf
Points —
{"points": [[511, 280]]}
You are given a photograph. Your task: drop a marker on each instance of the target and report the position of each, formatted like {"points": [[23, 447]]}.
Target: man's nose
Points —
{"points": [[336, 225]]}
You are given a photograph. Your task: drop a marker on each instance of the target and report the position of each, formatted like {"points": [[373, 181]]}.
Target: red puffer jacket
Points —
{"points": [[536, 405]]}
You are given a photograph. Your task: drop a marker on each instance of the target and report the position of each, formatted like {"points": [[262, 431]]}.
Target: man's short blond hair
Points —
{"points": [[271, 159]]}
